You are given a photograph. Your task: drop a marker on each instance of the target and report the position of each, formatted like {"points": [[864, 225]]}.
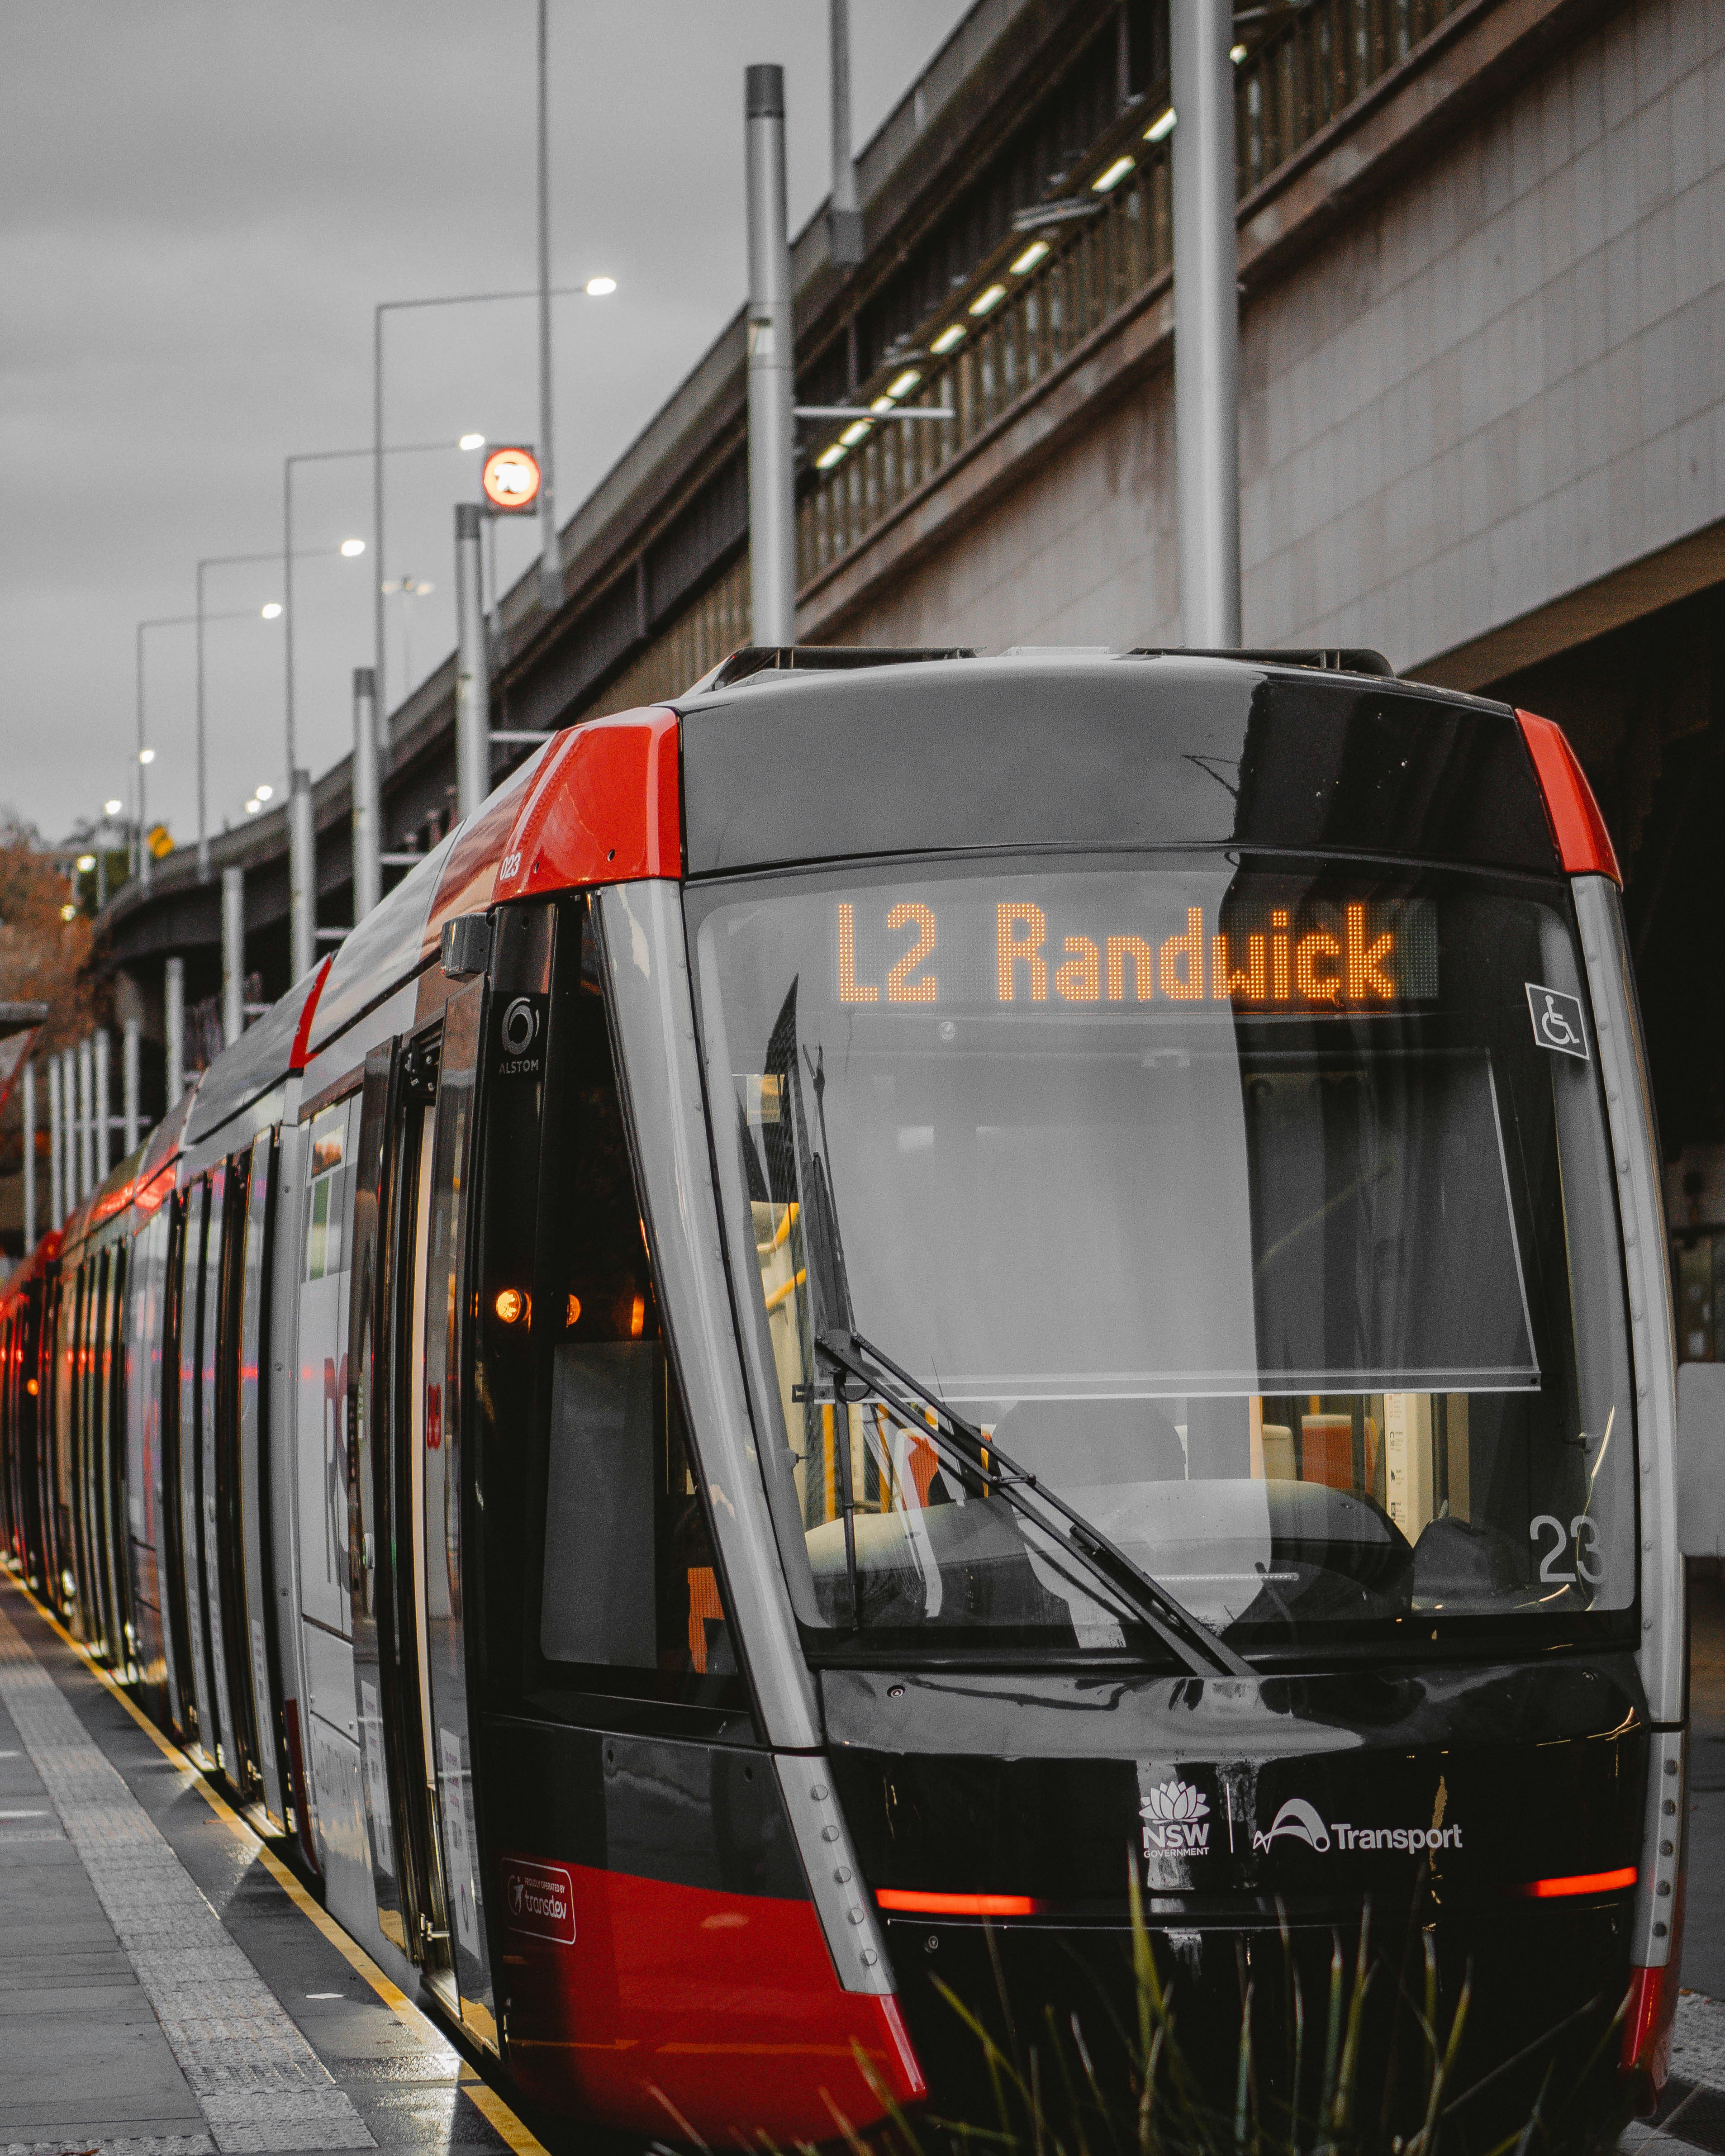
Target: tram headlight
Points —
{"points": [[512, 1305]]}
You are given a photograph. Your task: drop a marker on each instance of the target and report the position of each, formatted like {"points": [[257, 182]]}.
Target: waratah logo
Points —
{"points": [[1298, 1821], [1176, 1816]]}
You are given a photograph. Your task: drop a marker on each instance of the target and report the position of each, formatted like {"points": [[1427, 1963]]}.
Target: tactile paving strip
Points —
{"points": [[257, 2080]]}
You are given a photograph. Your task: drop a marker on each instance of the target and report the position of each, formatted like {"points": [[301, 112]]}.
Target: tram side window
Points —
{"points": [[630, 1600]]}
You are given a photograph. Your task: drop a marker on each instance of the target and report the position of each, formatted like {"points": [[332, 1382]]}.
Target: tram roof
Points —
{"points": [[801, 760]]}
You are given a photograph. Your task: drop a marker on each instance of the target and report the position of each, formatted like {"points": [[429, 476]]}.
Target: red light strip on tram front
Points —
{"points": [[1579, 1882], [957, 1905]]}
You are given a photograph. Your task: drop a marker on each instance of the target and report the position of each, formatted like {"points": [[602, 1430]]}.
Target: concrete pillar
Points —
{"points": [[173, 1024], [29, 1158], [1206, 323], [772, 524], [368, 801], [130, 1086], [233, 955], [104, 1107], [473, 689]]}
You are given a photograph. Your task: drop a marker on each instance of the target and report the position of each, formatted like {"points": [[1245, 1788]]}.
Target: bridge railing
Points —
{"points": [[1309, 65]]}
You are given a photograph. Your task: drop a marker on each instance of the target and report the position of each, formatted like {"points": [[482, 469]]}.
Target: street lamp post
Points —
{"points": [[551, 567], [147, 756], [595, 288]]}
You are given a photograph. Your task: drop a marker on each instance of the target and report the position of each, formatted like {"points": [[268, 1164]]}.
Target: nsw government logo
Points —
{"points": [[1176, 1816]]}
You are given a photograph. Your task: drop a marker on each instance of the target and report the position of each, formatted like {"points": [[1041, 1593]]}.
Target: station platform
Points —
{"points": [[166, 1987]]}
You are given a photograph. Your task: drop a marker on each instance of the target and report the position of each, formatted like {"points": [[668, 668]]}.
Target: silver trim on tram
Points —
{"points": [[646, 958], [1663, 1653]]}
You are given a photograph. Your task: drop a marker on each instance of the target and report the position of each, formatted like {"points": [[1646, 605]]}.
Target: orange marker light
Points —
{"points": [[574, 1310], [31, 1387], [1579, 1882], [512, 1305], [957, 1905], [637, 1317]]}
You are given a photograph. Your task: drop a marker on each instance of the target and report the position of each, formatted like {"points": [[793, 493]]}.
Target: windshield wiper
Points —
{"points": [[1188, 1636]]}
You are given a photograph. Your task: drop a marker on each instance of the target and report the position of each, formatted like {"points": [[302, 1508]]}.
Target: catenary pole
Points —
{"points": [[845, 224], [173, 1025], [302, 847], [234, 956], [129, 1087], [473, 694], [1206, 323], [772, 519], [104, 1105], [86, 1118], [30, 1157], [56, 1145], [367, 836]]}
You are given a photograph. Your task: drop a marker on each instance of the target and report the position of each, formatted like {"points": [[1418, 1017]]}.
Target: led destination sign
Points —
{"points": [[971, 951]]}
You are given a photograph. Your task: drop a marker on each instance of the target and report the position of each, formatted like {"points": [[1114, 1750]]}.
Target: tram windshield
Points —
{"points": [[1262, 1212]]}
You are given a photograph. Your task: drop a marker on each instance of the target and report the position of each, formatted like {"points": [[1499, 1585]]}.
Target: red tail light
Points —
{"points": [[1579, 1882], [1583, 844], [957, 1905], [1647, 2024]]}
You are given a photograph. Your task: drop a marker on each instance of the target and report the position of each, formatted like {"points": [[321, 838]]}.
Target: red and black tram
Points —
{"points": [[887, 1305]]}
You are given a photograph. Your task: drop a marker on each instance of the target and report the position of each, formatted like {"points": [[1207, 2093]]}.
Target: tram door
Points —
{"points": [[200, 1254], [26, 1434], [170, 1512], [391, 1212], [255, 1609], [115, 1547], [226, 1490]]}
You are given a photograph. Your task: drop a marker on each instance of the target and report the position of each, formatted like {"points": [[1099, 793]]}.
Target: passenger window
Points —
{"points": [[630, 1584]]}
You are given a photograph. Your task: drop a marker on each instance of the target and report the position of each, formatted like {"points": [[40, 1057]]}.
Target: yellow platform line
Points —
{"points": [[485, 2099]]}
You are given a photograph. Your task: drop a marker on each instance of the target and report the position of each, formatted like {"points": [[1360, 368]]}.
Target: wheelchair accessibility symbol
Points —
{"points": [[1557, 1020]]}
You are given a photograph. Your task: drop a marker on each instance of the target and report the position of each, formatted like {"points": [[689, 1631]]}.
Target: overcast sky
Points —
{"points": [[203, 201]]}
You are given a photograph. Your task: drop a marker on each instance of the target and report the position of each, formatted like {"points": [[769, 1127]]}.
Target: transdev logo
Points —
{"points": [[539, 1899], [1296, 1821], [1176, 1816]]}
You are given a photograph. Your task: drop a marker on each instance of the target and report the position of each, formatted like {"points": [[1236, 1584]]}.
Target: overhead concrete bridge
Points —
{"points": [[1481, 258]]}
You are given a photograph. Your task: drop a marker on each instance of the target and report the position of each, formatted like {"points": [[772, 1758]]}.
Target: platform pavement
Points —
{"points": [[161, 1992], [122, 1884]]}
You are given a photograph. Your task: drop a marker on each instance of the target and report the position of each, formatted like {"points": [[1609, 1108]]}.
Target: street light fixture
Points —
{"points": [[595, 288], [147, 757], [271, 611]]}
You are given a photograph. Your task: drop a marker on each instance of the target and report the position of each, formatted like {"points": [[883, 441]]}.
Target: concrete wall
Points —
{"points": [[1505, 380]]}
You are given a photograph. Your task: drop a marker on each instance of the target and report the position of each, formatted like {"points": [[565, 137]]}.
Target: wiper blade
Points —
{"points": [[1189, 1636]]}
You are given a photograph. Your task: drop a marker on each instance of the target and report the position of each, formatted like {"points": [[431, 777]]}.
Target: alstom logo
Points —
{"points": [[1176, 1816]]}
